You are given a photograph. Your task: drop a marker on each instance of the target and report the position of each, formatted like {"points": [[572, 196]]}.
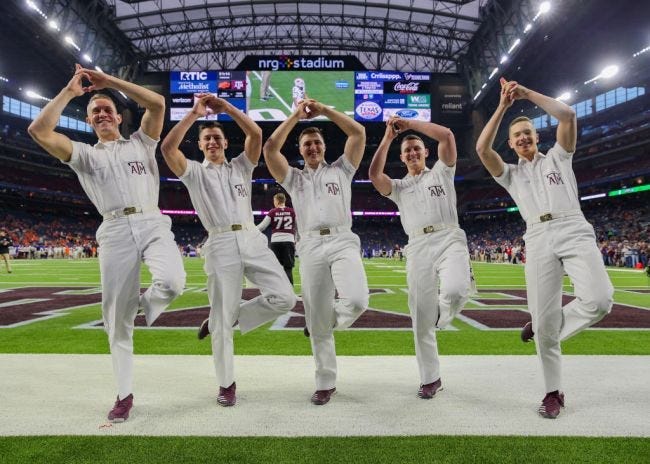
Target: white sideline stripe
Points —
{"points": [[175, 396]]}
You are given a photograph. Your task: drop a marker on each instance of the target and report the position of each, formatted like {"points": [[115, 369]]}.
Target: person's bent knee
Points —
{"points": [[283, 301]]}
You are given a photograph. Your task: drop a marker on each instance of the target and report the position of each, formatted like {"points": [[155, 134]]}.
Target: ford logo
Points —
{"points": [[407, 114]]}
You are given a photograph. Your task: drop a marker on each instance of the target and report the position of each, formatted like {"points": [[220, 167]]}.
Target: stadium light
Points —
{"points": [[98, 69], [494, 71], [609, 71], [564, 96], [87, 58], [528, 28], [514, 45], [70, 41], [53, 25], [544, 8], [33, 6], [477, 94], [36, 96], [503, 59], [4, 79], [642, 51], [606, 73]]}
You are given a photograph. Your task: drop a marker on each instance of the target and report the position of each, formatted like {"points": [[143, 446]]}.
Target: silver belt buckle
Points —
{"points": [[546, 217], [324, 232], [428, 229], [236, 227]]}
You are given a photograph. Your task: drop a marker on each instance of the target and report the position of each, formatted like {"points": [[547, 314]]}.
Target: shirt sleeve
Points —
{"points": [[559, 152], [395, 187], [190, 171], [144, 138], [264, 224], [443, 169], [344, 165], [505, 179], [243, 164], [80, 158], [288, 182]]}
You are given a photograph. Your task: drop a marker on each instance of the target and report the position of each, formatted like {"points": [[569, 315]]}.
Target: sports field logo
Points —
{"points": [[500, 311]]}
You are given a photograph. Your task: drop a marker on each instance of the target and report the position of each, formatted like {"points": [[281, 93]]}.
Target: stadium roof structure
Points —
{"points": [[406, 35], [469, 37]]}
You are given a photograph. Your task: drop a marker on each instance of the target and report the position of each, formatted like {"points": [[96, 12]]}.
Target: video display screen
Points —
{"points": [[378, 95], [183, 85], [274, 95]]}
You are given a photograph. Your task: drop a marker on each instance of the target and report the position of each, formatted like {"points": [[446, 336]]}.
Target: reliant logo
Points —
{"points": [[194, 75], [287, 62]]}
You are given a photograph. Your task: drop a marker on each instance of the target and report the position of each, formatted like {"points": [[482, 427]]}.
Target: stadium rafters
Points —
{"points": [[408, 35]]}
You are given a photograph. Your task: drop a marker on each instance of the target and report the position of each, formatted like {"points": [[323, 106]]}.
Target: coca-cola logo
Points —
{"points": [[406, 87]]}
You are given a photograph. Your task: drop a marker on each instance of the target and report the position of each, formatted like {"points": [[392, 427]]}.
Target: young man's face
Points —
{"points": [[213, 142], [312, 149], [104, 118], [413, 154], [523, 139]]}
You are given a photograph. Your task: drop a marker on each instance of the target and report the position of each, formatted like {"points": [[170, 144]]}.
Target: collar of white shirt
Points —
{"points": [[207, 164], [106, 144], [537, 156]]}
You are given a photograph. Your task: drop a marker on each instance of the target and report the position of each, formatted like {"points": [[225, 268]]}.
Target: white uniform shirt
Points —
{"points": [[545, 185], [321, 196], [118, 174], [426, 199], [221, 194]]}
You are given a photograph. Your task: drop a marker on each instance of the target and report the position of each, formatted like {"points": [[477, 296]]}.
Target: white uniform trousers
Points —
{"points": [[438, 277], [229, 257], [569, 244], [330, 264], [123, 244]]}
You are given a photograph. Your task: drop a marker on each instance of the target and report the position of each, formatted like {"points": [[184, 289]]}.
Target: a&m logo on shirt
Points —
{"points": [[333, 188], [241, 190], [436, 191], [554, 178], [137, 167]]}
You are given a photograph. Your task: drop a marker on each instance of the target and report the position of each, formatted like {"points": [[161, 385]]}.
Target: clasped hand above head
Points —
{"points": [[98, 80]]}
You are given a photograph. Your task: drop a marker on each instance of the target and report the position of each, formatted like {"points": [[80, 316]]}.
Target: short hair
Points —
{"points": [[308, 131], [411, 137], [281, 197], [211, 125], [101, 96], [519, 119]]}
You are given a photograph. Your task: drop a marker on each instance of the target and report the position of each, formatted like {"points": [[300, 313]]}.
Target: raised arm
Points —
{"points": [[154, 104], [484, 145], [42, 128], [174, 157], [443, 135], [376, 171], [567, 132], [275, 160], [356, 133], [253, 141]]}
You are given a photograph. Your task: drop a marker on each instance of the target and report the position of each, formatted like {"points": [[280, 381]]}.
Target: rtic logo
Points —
{"points": [[194, 75], [408, 87], [436, 191], [137, 167], [554, 178], [241, 190], [333, 188]]}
